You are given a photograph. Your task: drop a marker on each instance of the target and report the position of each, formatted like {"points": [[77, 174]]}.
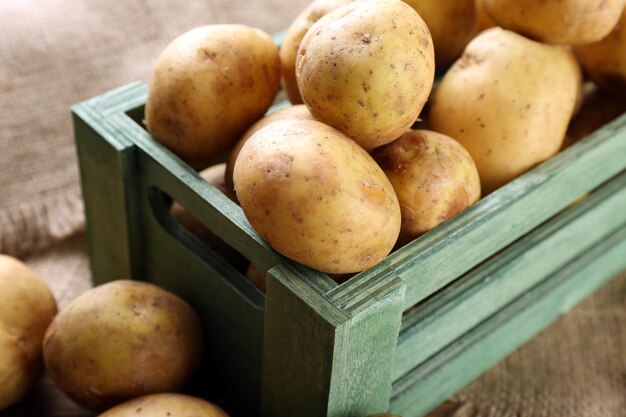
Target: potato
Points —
{"points": [[433, 176], [508, 101], [561, 22], [605, 61], [293, 37], [367, 69], [121, 340], [208, 86], [256, 277], [299, 111], [452, 24], [165, 404], [26, 309], [317, 197], [213, 175]]}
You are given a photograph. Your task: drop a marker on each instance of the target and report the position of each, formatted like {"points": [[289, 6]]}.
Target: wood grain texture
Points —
{"points": [[322, 360], [470, 355], [493, 284]]}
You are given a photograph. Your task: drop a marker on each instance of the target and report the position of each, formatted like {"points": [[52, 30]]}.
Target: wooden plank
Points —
{"points": [[462, 305], [106, 169], [321, 360], [445, 253], [472, 354]]}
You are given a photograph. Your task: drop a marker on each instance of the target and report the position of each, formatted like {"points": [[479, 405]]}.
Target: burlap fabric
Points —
{"points": [[56, 53]]}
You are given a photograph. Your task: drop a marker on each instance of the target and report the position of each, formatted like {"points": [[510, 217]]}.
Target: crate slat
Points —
{"points": [[493, 284], [478, 350]]}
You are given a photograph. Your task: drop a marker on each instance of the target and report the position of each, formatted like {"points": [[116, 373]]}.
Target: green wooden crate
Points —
{"points": [[400, 337]]}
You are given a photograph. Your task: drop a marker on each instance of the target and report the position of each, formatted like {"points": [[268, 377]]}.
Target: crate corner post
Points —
{"points": [[328, 356]]}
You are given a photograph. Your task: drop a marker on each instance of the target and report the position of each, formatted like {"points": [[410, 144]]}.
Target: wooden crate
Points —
{"points": [[400, 337]]}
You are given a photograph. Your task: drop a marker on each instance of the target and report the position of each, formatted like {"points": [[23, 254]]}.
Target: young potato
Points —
{"points": [[367, 69], [165, 404], [561, 22], [299, 111], [605, 61], [508, 101], [452, 24], [317, 197], [433, 176], [293, 37], [208, 86], [26, 309], [121, 340]]}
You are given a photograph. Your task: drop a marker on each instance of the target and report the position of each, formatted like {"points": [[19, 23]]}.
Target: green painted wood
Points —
{"points": [[458, 364], [493, 284], [106, 172], [445, 253], [322, 360]]}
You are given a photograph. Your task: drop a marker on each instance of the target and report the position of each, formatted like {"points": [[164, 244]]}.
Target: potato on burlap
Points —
{"points": [[166, 405], [121, 340], [26, 309]]}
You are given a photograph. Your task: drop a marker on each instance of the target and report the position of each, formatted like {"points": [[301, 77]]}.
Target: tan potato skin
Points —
{"points": [[560, 22], [317, 197], [605, 61], [27, 307], [121, 340], [452, 24], [367, 69], [433, 176], [296, 31], [166, 405], [208, 86], [299, 111], [508, 101]]}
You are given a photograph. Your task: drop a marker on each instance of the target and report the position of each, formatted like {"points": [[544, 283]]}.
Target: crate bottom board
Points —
{"points": [[462, 361]]}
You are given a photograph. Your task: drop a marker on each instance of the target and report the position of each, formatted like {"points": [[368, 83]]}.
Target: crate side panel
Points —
{"points": [[468, 301], [445, 253], [423, 389], [105, 170]]}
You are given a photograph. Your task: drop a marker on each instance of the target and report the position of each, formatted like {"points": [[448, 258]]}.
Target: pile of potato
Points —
{"points": [[125, 346], [339, 182]]}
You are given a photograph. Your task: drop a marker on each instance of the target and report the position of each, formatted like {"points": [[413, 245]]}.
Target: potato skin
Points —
{"points": [[561, 22], [508, 101], [299, 111], [208, 86], [605, 61], [121, 340], [367, 69], [165, 404], [293, 37], [452, 24], [27, 307], [317, 197], [433, 176]]}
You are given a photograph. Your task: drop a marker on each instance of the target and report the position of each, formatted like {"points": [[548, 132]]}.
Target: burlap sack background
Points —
{"points": [[56, 53]]}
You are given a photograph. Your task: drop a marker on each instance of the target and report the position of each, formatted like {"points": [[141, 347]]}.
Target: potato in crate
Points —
{"points": [[404, 332]]}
